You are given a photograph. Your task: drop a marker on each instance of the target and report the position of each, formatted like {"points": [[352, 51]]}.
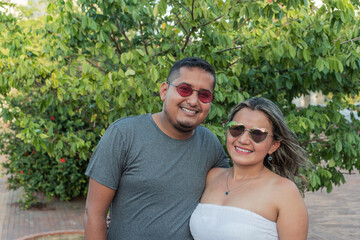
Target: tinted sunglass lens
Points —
{"points": [[205, 96], [236, 131], [184, 90], [258, 136]]}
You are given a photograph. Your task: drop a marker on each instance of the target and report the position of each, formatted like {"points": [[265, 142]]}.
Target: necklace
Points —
{"points": [[246, 181]]}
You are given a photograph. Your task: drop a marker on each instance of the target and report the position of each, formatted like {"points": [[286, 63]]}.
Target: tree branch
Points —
{"points": [[233, 62], [351, 40], [118, 46], [127, 39], [159, 53], [214, 20], [229, 49], [122, 31], [94, 65], [187, 39], [177, 16], [185, 8], [192, 10]]}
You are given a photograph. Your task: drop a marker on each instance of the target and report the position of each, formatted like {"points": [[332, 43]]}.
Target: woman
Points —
{"points": [[258, 197]]}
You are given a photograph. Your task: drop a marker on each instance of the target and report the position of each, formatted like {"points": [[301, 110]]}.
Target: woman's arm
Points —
{"points": [[292, 221]]}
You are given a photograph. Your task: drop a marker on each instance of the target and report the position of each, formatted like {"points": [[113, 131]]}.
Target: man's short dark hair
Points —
{"points": [[190, 62]]}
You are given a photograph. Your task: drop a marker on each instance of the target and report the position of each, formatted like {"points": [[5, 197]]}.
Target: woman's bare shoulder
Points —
{"points": [[284, 190], [216, 172]]}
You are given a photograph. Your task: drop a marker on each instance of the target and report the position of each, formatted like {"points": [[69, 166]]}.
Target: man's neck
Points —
{"points": [[170, 130]]}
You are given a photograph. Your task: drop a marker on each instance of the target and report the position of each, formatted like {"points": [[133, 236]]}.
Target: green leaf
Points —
{"points": [[93, 25], [340, 66], [292, 51], [59, 145], [332, 163], [156, 10], [154, 74], [138, 91], [306, 55], [141, 52], [68, 6], [313, 181], [61, 45], [129, 72], [320, 64], [60, 94], [43, 135], [338, 146], [289, 84], [123, 59]]}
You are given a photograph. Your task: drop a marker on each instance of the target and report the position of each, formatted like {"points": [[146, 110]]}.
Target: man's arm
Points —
{"points": [[96, 208]]}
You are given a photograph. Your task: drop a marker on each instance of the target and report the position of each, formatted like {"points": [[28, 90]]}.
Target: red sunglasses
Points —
{"points": [[185, 90]]}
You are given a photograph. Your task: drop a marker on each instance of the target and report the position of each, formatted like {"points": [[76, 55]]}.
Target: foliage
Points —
{"points": [[94, 62]]}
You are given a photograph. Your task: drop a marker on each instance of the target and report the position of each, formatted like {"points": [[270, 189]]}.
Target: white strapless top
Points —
{"points": [[215, 222]]}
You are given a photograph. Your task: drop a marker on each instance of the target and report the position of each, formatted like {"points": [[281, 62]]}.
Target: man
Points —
{"points": [[151, 168]]}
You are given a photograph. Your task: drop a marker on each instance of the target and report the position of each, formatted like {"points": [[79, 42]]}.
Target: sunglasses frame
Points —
{"points": [[251, 131], [192, 90]]}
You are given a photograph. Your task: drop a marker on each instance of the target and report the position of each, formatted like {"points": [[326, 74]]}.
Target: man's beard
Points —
{"points": [[183, 126]]}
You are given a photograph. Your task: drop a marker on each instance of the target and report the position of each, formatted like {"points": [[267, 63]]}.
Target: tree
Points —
{"points": [[99, 61]]}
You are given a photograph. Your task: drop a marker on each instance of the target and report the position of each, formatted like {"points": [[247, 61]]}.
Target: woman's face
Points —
{"points": [[242, 149]]}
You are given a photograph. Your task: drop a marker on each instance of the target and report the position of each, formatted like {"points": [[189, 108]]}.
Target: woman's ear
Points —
{"points": [[275, 145], [163, 89]]}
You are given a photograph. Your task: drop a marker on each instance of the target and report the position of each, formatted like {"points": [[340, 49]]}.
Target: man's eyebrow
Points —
{"points": [[193, 86]]}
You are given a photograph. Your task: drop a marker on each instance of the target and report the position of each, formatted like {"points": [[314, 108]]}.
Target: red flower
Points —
{"points": [[52, 118], [26, 154], [63, 160], [33, 152]]}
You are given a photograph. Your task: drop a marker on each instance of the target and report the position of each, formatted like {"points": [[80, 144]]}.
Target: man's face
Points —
{"points": [[185, 113]]}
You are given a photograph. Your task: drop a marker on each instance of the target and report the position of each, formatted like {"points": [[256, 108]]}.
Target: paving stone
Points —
{"points": [[335, 215], [55, 216]]}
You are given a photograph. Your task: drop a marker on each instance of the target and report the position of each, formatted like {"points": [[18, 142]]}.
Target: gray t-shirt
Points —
{"points": [[158, 180]]}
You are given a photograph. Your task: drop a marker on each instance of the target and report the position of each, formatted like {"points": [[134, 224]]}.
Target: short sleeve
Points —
{"points": [[223, 160], [107, 161]]}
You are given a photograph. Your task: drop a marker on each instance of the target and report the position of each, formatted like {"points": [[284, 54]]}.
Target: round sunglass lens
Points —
{"points": [[184, 90], [205, 96]]}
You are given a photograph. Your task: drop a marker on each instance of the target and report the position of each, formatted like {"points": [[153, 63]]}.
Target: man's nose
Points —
{"points": [[193, 98]]}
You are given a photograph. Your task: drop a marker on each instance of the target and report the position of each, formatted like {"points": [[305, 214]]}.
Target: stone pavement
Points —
{"points": [[54, 216], [334, 216]]}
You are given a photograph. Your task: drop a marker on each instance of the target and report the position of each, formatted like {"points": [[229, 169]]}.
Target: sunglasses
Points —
{"points": [[257, 134], [185, 90]]}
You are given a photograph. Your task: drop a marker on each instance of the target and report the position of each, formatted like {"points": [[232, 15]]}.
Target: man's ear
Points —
{"points": [[163, 89], [275, 145]]}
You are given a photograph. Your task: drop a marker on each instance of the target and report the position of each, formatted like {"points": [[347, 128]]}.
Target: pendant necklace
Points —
{"points": [[246, 181]]}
